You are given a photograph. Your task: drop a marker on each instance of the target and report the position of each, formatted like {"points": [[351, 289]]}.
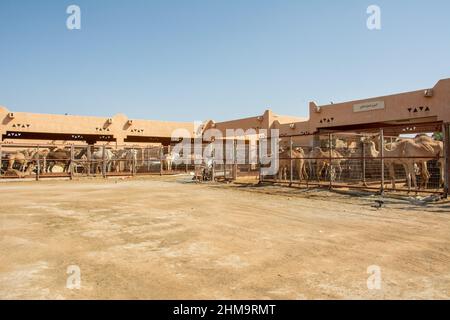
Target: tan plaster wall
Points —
{"points": [[398, 108]]}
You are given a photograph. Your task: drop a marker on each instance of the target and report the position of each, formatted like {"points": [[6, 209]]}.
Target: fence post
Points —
{"points": [[291, 173], [446, 134], [382, 160], [225, 160], [260, 177], [161, 154], [88, 155], [247, 156], [1, 160], [38, 163], [213, 169], [104, 161], [170, 157], [72, 161], [134, 161], [330, 147], [235, 166], [364, 164], [148, 159]]}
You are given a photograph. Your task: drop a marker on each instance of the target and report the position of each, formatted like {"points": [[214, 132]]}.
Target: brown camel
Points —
{"points": [[438, 153], [418, 153], [322, 161], [58, 156], [298, 159], [392, 156], [20, 157]]}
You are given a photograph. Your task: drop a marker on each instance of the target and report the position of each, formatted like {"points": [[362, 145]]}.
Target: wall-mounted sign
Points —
{"points": [[368, 106]]}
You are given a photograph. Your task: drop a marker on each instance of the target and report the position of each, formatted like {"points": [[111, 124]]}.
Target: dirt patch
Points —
{"points": [[168, 238]]}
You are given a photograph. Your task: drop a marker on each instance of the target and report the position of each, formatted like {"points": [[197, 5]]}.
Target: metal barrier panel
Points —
{"points": [[38, 161], [446, 161], [371, 161], [362, 161]]}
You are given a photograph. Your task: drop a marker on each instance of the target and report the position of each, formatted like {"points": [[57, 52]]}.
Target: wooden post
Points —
{"points": [[104, 163], [382, 160], [38, 163], [72, 161], [446, 134]]}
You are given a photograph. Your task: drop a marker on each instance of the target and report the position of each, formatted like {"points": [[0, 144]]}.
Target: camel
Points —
{"points": [[97, 158], [27, 172], [354, 158], [392, 156], [322, 161], [20, 157], [438, 153], [414, 155], [124, 159], [298, 158], [419, 151], [407, 153], [58, 156], [41, 155], [167, 161]]}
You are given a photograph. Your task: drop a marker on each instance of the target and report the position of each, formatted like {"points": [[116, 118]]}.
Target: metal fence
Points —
{"points": [[370, 161], [82, 160], [45, 161], [364, 161]]}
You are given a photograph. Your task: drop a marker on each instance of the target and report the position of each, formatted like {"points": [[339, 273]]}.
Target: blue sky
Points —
{"points": [[208, 59]]}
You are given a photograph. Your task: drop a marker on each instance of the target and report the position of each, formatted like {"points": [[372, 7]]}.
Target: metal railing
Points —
{"points": [[372, 162], [333, 160]]}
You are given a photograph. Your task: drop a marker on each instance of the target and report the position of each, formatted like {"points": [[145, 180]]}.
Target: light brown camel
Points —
{"points": [[392, 156], [20, 157], [27, 172], [298, 159], [438, 153], [42, 156], [418, 153], [322, 161]]}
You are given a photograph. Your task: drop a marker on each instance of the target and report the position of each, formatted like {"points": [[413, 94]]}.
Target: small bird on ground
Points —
{"points": [[378, 204]]}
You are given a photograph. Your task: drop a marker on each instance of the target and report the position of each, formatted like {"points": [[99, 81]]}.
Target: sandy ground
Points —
{"points": [[168, 238]]}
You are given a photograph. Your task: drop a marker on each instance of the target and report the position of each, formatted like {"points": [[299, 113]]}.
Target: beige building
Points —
{"points": [[411, 112]]}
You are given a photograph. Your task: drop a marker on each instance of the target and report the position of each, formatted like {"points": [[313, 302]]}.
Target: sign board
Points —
{"points": [[368, 106]]}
